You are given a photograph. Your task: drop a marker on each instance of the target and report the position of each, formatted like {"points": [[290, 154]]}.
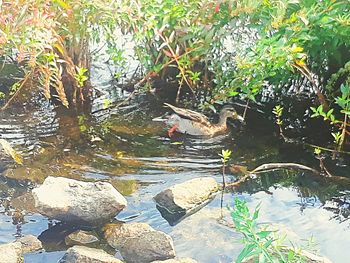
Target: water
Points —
{"points": [[136, 156]]}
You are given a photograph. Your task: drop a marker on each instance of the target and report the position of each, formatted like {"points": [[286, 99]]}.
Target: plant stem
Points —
{"points": [[223, 175]]}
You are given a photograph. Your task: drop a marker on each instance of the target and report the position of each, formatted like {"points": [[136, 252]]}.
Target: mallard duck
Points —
{"points": [[194, 123]]}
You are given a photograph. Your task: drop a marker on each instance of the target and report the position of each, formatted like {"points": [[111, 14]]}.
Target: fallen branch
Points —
{"points": [[275, 166], [270, 167]]}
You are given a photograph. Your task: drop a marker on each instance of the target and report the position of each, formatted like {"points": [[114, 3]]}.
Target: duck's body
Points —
{"points": [[197, 124]]}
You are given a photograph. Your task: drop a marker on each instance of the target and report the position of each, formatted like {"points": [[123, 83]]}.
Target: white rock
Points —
{"points": [[79, 254], [11, 253], [185, 198], [29, 243], [78, 202]]}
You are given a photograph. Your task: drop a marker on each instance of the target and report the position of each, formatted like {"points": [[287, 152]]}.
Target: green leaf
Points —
{"points": [[264, 234], [245, 253]]}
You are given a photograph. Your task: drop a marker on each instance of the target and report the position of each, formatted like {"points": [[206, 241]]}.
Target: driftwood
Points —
{"points": [[271, 167], [276, 166]]}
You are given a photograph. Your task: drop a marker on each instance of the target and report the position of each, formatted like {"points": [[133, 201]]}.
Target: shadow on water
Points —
{"points": [[123, 146]]}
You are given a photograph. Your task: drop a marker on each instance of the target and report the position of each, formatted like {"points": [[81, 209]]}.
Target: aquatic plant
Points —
{"points": [[225, 156], [261, 243]]}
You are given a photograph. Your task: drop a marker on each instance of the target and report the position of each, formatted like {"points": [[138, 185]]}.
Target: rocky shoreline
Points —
{"points": [[94, 205]]}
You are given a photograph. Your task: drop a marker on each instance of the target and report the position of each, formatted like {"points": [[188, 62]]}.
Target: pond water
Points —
{"points": [[137, 157]]}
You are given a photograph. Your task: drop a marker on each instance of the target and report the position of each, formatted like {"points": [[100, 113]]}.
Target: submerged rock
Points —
{"points": [[117, 234], [80, 254], [185, 198], [148, 247], [177, 260], [139, 242], [74, 201], [11, 253], [81, 237], [29, 243]]}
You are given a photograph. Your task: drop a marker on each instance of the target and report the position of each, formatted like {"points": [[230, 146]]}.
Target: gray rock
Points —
{"points": [[80, 237], [29, 243], [147, 247], [185, 198], [177, 260], [79, 254], [117, 234], [78, 202], [11, 253]]}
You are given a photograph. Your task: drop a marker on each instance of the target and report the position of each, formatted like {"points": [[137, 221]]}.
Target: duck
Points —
{"points": [[194, 123]]}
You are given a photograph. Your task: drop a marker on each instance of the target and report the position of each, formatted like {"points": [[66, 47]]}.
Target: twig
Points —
{"points": [[245, 109], [325, 149], [308, 74], [24, 80], [269, 167]]}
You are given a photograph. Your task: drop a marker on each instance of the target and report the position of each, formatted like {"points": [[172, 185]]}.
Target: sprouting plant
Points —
{"points": [[194, 76], [343, 102], [261, 243], [14, 88], [278, 111], [317, 151], [225, 156], [82, 123], [106, 103], [320, 157], [80, 76], [337, 137]]}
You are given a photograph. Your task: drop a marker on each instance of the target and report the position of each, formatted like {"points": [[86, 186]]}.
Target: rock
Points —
{"points": [[24, 203], [117, 234], [185, 198], [177, 260], [11, 253], [147, 247], [29, 243], [81, 237], [139, 242], [79, 254], [74, 201]]}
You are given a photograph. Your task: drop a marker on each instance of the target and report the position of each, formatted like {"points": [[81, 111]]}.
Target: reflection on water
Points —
{"points": [[134, 154]]}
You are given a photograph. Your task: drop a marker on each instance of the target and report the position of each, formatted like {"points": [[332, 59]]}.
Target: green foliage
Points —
{"points": [[261, 243], [317, 151], [228, 48], [343, 102], [80, 76], [225, 156], [278, 111]]}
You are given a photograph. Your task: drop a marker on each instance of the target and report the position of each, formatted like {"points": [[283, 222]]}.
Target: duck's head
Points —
{"points": [[229, 112]]}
